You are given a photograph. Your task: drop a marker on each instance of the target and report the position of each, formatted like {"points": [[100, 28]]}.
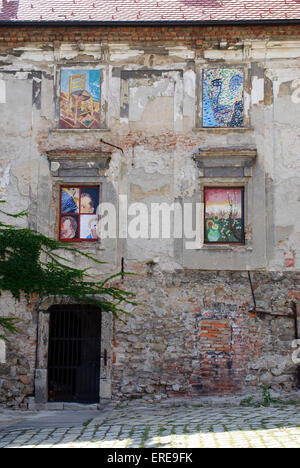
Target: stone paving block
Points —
{"points": [[214, 427]]}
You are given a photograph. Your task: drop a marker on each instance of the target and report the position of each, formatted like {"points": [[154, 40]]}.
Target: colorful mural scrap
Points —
{"points": [[224, 215], [80, 99], [78, 218], [223, 97]]}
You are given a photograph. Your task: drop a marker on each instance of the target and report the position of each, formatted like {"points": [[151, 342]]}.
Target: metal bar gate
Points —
{"points": [[74, 354]]}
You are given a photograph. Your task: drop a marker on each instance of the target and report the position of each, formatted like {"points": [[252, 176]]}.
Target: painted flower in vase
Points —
{"points": [[213, 234], [224, 215]]}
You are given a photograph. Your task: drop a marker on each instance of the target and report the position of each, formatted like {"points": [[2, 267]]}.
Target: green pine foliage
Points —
{"points": [[32, 264], [8, 324]]}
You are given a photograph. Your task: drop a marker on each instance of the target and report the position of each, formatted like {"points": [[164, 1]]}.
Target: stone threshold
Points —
{"points": [[61, 406]]}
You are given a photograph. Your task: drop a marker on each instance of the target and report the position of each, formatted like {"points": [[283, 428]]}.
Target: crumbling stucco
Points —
{"points": [[151, 107]]}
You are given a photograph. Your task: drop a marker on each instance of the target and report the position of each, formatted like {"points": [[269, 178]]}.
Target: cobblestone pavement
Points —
{"points": [[176, 426]]}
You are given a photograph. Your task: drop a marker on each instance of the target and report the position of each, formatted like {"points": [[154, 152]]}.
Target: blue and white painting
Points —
{"points": [[80, 99], [223, 97]]}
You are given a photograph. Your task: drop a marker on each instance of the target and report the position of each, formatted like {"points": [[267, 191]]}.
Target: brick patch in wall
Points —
{"points": [[199, 346], [215, 335]]}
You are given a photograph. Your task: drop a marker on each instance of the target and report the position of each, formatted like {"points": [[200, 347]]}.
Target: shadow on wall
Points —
{"points": [[203, 3], [9, 10]]}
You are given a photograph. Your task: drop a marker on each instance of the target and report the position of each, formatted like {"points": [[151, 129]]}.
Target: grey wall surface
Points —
{"points": [[151, 108]]}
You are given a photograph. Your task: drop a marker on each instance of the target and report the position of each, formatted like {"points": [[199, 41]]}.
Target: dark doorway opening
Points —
{"points": [[74, 354]]}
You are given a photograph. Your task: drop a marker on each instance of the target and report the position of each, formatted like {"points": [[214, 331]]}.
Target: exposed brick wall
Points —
{"points": [[193, 334], [215, 335], [196, 335], [16, 36], [228, 341]]}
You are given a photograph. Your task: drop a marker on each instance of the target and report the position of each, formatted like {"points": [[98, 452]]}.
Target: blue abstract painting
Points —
{"points": [[223, 97]]}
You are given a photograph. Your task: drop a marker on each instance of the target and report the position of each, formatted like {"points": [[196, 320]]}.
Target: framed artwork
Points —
{"points": [[223, 97], [79, 99], [78, 214], [224, 215]]}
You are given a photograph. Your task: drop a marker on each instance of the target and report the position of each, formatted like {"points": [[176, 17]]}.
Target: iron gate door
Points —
{"points": [[74, 354]]}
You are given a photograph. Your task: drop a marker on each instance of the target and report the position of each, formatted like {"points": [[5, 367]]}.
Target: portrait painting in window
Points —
{"points": [[78, 214]]}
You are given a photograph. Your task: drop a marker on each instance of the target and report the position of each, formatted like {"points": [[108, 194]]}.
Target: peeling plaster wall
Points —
{"points": [[151, 107]]}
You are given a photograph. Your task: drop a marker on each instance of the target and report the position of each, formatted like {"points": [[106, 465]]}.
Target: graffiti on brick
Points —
{"points": [[219, 309]]}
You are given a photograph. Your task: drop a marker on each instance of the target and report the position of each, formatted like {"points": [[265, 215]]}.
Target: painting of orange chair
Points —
{"points": [[80, 99]]}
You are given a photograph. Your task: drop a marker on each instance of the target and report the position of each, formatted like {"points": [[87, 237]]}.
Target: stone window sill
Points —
{"points": [[225, 248], [88, 245], [224, 129], [73, 131]]}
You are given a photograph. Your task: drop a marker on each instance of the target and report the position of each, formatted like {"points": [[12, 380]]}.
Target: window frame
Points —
{"points": [[231, 67], [200, 70], [84, 66], [226, 187], [80, 187]]}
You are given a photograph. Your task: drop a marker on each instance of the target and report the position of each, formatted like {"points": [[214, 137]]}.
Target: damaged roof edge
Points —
{"points": [[152, 23]]}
